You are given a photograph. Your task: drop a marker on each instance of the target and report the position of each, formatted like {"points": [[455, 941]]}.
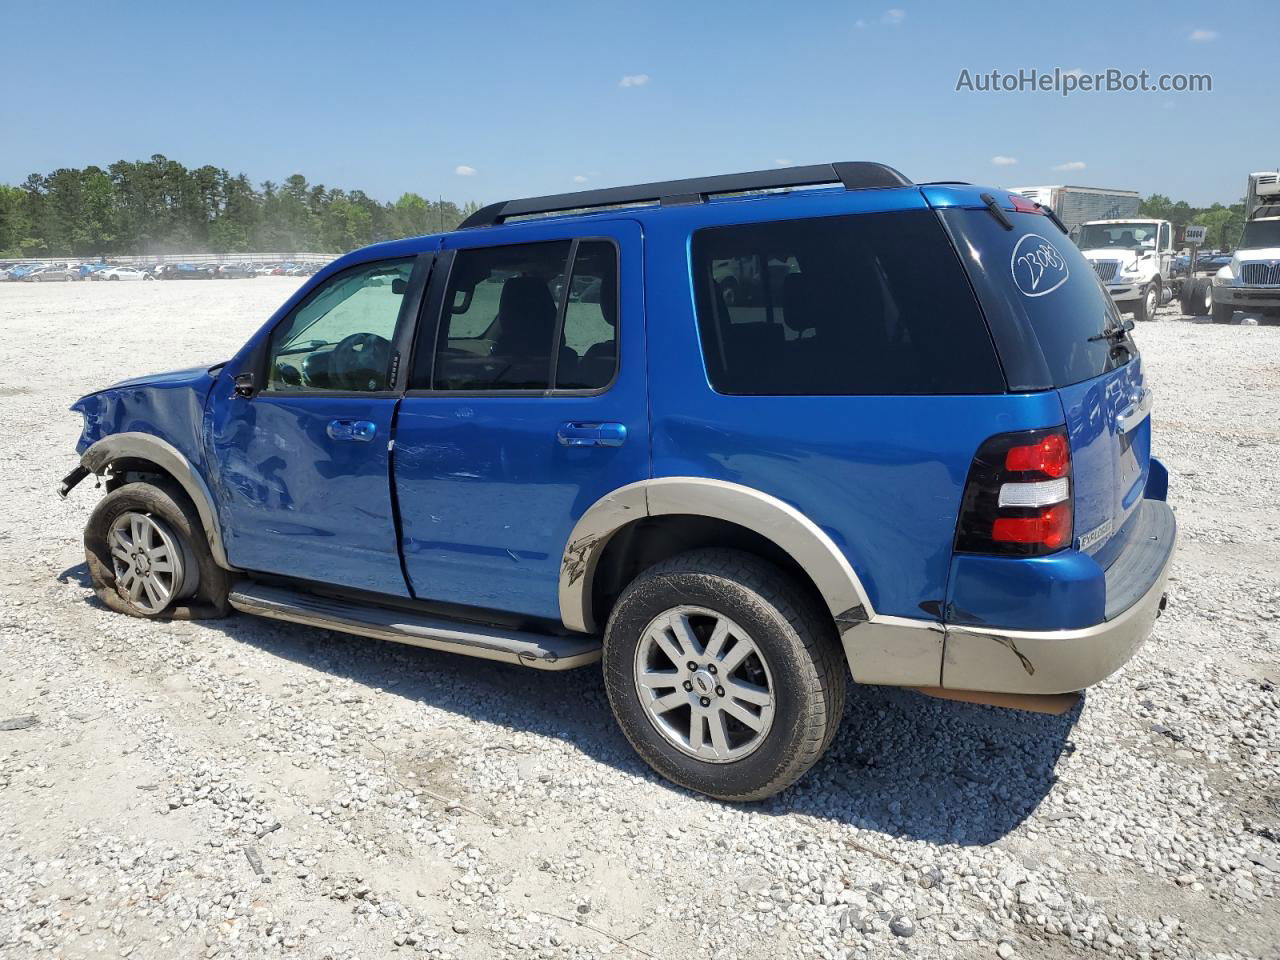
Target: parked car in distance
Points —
{"points": [[918, 454], [184, 271], [124, 273], [56, 274], [234, 271]]}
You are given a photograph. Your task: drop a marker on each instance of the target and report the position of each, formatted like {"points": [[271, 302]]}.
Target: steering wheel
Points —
{"points": [[359, 362]]}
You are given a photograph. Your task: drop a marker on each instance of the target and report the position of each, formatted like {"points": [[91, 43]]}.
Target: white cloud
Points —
{"points": [[1202, 35], [860, 24], [782, 162], [1073, 72], [579, 179], [893, 16], [1001, 161], [1070, 166], [463, 170], [634, 80]]}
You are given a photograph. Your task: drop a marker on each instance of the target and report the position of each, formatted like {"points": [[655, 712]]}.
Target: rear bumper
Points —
{"points": [[1060, 661]]}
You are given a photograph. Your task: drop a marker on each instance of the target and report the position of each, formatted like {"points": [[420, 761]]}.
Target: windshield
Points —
{"points": [[1260, 233], [1125, 236]]}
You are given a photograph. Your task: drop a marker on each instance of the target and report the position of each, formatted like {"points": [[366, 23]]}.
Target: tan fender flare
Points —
{"points": [[144, 446], [880, 649]]}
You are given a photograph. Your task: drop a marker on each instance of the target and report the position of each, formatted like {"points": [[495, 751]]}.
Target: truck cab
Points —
{"points": [[1133, 259], [1251, 281]]}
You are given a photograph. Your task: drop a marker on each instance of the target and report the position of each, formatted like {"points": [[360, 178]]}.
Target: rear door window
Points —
{"points": [[866, 304], [1047, 309]]}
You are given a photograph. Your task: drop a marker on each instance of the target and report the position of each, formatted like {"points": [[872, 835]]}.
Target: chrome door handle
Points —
{"points": [[1135, 413], [362, 430], [591, 434]]}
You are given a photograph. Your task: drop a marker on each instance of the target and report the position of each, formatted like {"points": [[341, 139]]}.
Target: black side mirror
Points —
{"points": [[245, 386], [399, 285]]}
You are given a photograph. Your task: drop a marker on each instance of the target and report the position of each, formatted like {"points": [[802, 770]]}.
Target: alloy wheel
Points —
{"points": [[704, 684], [148, 560]]}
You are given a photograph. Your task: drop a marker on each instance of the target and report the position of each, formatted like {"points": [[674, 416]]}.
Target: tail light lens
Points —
{"points": [[1017, 500]]}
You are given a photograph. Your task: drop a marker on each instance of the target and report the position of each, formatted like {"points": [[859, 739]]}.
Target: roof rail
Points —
{"points": [[855, 175]]}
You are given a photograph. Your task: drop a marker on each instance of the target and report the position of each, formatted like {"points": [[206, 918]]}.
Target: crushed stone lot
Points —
{"points": [[249, 788]]}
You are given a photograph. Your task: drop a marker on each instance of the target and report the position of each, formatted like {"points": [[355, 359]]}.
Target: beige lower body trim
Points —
{"points": [[896, 651]]}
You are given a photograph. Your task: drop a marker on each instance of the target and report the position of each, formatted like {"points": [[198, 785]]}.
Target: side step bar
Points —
{"points": [[541, 651]]}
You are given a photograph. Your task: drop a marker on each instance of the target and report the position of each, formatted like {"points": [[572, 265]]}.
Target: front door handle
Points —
{"points": [[591, 434], [362, 430]]}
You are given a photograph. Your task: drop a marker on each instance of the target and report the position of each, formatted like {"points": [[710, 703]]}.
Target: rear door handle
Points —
{"points": [[591, 434], [362, 430], [1135, 413]]}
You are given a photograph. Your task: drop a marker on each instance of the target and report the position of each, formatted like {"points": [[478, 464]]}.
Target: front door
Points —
{"points": [[303, 464], [527, 404]]}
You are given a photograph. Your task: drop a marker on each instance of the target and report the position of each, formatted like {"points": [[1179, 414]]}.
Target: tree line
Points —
{"points": [[160, 206], [1224, 223]]}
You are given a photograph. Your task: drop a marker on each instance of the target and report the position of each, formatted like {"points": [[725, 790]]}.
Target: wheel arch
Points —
{"points": [[798, 539], [144, 452]]}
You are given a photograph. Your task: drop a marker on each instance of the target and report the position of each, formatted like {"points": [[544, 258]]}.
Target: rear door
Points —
{"points": [[1056, 328], [527, 403]]}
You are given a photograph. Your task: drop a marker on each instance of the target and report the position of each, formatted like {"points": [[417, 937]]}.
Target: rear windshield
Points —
{"points": [[1042, 298], [866, 304]]}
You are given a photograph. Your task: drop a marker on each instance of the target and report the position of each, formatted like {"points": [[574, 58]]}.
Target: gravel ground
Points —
{"points": [[244, 788]]}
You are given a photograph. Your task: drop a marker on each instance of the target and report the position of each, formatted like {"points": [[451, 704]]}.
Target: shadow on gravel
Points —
{"points": [[79, 575], [903, 764]]}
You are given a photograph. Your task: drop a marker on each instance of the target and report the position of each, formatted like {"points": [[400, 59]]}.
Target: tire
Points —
{"points": [[795, 660], [1223, 313], [1197, 300], [197, 588], [1148, 303]]}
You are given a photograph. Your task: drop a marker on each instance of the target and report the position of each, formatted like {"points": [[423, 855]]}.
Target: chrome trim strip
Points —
{"points": [[436, 633], [1136, 412]]}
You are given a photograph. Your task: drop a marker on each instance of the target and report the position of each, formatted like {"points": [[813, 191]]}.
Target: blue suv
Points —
{"points": [[741, 437]]}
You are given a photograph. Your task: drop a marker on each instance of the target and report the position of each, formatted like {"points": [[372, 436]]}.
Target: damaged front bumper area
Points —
{"points": [[1062, 661]]}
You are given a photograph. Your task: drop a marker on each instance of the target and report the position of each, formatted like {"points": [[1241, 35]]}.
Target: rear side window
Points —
{"points": [[866, 304], [1043, 299]]}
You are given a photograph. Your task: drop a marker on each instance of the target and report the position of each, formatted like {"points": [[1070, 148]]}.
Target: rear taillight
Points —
{"points": [[1017, 500]]}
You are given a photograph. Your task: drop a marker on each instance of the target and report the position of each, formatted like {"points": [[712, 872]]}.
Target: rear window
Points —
{"points": [[866, 304], [1042, 298]]}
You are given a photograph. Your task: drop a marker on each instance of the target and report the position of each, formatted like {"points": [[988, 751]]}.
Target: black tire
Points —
{"points": [[1223, 313], [795, 637], [1143, 309], [1197, 300], [206, 592]]}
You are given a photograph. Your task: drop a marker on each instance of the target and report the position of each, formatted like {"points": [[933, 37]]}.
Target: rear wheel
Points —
{"points": [[148, 555], [1198, 299], [723, 675]]}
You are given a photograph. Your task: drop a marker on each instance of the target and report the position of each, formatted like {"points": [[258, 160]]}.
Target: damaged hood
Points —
{"points": [[172, 378]]}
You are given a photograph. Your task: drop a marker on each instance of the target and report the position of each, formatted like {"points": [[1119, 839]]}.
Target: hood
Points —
{"points": [[173, 378], [1257, 253], [1119, 254]]}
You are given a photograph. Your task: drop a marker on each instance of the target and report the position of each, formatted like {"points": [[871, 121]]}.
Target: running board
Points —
{"points": [[541, 651]]}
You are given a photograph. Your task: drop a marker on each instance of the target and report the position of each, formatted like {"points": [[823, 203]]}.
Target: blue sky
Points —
{"points": [[485, 101]]}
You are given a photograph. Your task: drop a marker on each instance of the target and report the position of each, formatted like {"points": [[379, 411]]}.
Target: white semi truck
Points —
{"points": [[1134, 260], [1251, 281]]}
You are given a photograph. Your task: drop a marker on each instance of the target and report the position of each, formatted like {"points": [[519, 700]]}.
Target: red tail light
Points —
{"points": [[1018, 499]]}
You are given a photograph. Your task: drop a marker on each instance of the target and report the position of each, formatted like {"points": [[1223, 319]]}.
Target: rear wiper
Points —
{"points": [[1116, 333], [1048, 212]]}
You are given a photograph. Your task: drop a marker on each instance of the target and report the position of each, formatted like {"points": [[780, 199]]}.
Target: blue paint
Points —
{"points": [[488, 488]]}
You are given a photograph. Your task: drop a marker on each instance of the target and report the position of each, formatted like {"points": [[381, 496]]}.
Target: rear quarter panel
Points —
{"points": [[882, 475]]}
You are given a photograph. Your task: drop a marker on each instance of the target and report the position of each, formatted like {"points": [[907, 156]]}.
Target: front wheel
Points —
{"points": [[1223, 313], [724, 676], [148, 555], [1145, 309]]}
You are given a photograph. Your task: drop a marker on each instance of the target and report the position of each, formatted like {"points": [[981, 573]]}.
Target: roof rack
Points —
{"points": [[855, 175]]}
